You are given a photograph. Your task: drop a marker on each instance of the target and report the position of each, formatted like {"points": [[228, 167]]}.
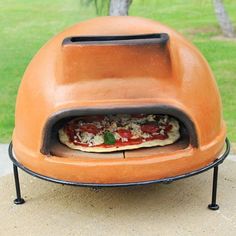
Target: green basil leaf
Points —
{"points": [[109, 138]]}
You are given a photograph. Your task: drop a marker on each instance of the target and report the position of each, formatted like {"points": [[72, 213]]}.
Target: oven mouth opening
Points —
{"points": [[52, 145]]}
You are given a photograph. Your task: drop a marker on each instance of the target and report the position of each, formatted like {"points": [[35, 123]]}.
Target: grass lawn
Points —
{"points": [[27, 24]]}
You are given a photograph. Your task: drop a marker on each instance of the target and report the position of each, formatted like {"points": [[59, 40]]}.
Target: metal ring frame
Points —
{"points": [[165, 180], [214, 165]]}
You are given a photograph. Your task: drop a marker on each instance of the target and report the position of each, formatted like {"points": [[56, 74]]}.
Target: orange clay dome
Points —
{"points": [[65, 79]]}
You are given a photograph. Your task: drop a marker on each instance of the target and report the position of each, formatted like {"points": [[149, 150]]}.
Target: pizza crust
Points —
{"points": [[173, 136]]}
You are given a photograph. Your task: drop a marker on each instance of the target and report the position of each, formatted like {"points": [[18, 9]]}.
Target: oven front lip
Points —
{"points": [[213, 164], [161, 109]]}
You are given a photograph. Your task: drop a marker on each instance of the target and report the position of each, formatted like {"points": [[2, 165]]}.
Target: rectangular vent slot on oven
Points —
{"points": [[160, 38]]}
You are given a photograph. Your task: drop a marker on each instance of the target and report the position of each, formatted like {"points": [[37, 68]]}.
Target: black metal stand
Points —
{"points": [[213, 205], [19, 199], [215, 164]]}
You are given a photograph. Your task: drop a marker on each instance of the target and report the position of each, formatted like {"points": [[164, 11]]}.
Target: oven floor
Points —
{"points": [[61, 150]]}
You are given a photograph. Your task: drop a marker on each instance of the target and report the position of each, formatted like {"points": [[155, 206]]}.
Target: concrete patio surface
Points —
{"points": [[179, 208], [5, 163]]}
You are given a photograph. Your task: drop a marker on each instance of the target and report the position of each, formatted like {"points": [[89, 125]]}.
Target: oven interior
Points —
{"points": [[53, 147]]}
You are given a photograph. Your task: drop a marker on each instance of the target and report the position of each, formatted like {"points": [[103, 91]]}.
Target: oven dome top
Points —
{"points": [[120, 58]]}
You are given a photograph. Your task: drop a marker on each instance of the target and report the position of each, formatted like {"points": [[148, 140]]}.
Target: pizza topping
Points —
{"points": [[124, 133], [168, 127], [149, 128], [90, 128], [86, 137], [71, 133], [135, 141], [146, 135], [109, 138], [117, 136], [98, 139], [120, 130], [112, 126], [151, 118]]}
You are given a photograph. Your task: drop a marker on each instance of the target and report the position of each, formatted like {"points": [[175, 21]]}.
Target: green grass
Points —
{"points": [[27, 24]]}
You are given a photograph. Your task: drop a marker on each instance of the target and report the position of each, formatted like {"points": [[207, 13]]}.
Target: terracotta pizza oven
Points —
{"points": [[117, 65]]}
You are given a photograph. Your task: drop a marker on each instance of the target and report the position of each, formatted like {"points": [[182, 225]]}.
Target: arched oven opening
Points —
{"points": [[51, 144]]}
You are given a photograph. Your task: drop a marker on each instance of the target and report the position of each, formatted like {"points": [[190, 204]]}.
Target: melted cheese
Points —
{"points": [[86, 137], [98, 139]]}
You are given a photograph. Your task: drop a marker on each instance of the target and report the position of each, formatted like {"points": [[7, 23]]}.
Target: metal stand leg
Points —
{"points": [[18, 199], [213, 205]]}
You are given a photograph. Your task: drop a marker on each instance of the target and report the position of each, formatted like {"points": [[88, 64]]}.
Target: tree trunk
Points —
{"points": [[223, 19], [119, 7]]}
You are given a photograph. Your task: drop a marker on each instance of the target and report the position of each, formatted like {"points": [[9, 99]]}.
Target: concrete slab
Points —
{"points": [[231, 157], [179, 208], [5, 163]]}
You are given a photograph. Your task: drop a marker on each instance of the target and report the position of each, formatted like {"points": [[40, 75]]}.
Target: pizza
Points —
{"points": [[108, 133]]}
